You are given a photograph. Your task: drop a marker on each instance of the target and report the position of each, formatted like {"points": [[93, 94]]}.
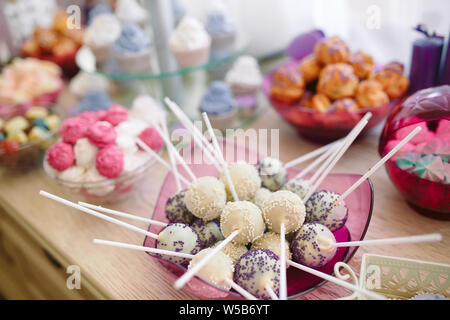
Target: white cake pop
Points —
{"points": [[260, 196], [284, 207], [313, 245], [245, 217], [245, 179], [132, 161], [206, 198], [176, 210], [233, 250], [126, 143], [96, 184], [255, 270], [85, 153], [132, 127], [218, 270], [323, 207], [179, 237], [271, 240], [298, 186], [272, 173]]}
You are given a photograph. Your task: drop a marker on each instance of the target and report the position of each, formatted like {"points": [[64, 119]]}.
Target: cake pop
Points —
{"points": [[85, 153], [217, 270], [323, 207], [233, 250], [245, 179], [179, 237], [284, 207], [312, 245], [176, 210], [209, 232], [245, 217], [260, 196], [272, 173], [271, 241], [298, 186], [60, 156], [206, 198], [257, 269]]}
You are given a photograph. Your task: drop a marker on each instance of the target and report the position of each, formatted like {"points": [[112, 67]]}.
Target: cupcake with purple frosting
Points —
{"points": [[133, 49], [222, 29], [219, 105]]}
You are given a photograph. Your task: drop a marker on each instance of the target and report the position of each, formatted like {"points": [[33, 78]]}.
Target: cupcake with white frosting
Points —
{"points": [[131, 11], [190, 43], [222, 29], [101, 35], [245, 77]]}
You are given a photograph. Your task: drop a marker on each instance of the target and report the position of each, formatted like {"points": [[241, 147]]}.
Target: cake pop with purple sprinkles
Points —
{"points": [[272, 172], [179, 237], [256, 269], [312, 245], [209, 232], [323, 207], [176, 210]]}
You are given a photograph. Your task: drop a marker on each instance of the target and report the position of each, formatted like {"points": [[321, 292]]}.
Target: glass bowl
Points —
{"points": [[322, 126], [105, 190], [430, 109], [28, 155], [359, 202]]}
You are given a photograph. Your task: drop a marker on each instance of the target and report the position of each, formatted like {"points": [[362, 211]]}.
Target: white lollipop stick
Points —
{"points": [[219, 153], [197, 267], [197, 136], [142, 248], [324, 157], [175, 153], [339, 153], [241, 290], [121, 214], [380, 163], [97, 214], [432, 237], [147, 149], [272, 294], [337, 281], [172, 159], [283, 281], [311, 154]]}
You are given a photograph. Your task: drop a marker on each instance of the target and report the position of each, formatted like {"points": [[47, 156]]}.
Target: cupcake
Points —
{"points": [[244, 77], [246, 105], [219, 105], [133, 49], [93, 100], [222, 30], [131, 11], [101, 35], [84, 82], [98, 9], [190, 43]]}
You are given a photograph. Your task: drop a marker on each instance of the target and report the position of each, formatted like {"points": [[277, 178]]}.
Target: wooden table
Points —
{"points": [[39, 238]]}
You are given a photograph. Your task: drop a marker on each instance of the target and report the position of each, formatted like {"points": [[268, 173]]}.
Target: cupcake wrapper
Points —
{"points": [[134, 62], [223, 42], [223, 121], [101, 53], [193, 58]]}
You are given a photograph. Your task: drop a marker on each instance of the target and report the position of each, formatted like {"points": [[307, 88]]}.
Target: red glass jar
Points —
{"points": [[415, 170]]}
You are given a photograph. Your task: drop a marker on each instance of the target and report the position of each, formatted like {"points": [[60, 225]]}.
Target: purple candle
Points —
{"points": [[425, 60], [445, 68], [303, 44]]}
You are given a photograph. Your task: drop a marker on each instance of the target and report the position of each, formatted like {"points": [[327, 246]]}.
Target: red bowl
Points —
{"points": [[322, 126], [359, 202]]}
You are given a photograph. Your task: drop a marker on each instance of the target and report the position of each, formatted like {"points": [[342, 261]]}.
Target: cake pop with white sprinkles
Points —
{"points": [[257, 269], [209, 232], [260, 196], [218, 270], [245, 217], [178, 237], [233, 250], [206, 198], [245, 179], [324, 207], [272, 173], [284, 207], [271, 241], [313, 245], [176, 210]]}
